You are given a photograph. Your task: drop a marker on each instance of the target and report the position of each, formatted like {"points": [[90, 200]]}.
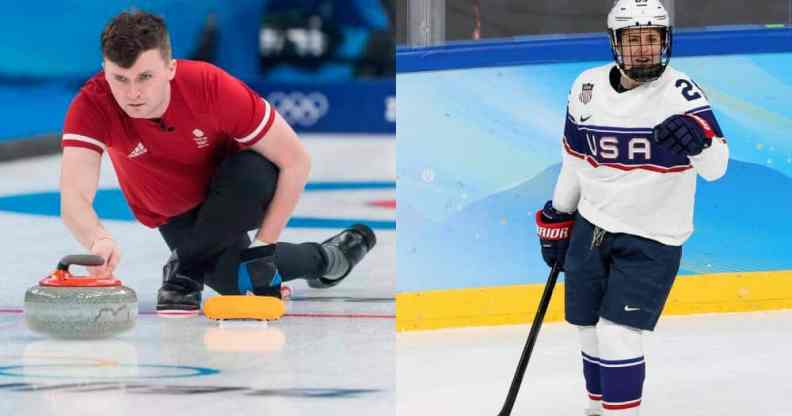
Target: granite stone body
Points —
{"points": [[80, 312]]}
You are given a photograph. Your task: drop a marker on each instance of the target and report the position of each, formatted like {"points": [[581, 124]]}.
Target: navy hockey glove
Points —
{"points": [[686, 135], [554, 229]]}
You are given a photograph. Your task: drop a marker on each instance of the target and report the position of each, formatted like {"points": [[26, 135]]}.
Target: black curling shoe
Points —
{"points": [[342, 252]]}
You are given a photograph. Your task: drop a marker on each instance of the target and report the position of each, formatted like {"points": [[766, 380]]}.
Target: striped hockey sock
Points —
{"points": [[591, 369], [622, 368], [622, 382]]}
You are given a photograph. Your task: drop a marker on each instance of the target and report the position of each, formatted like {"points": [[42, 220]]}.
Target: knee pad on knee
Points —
{"points": [[618, 342], [588, 340], [258, 273]]}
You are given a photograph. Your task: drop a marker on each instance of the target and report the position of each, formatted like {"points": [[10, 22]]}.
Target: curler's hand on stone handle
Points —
{"points": [[108, 249]]}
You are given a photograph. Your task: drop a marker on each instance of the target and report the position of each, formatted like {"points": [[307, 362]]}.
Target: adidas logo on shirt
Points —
{"points": [[137, 151]]}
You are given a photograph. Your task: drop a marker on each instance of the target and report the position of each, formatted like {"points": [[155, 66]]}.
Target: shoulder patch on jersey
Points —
{"points": [[586, 92]]}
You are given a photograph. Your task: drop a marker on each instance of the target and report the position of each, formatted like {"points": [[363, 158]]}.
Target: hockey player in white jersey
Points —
{"points": [[637, 134]]}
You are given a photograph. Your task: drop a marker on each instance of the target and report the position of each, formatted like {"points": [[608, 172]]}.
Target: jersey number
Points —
{"points": [[687, 91]]}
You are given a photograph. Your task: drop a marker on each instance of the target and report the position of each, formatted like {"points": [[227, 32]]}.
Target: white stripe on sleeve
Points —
{"points": [[85, 139], [251, 136]]}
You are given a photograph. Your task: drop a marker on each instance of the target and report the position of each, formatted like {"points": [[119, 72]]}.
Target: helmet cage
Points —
{"points": [[642, 73]]}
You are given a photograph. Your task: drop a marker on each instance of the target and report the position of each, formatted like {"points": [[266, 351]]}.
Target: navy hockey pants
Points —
{"points": [[621, 277]]}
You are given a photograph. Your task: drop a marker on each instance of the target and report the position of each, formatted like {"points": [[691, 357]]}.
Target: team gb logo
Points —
{"points": [[200, 140]]}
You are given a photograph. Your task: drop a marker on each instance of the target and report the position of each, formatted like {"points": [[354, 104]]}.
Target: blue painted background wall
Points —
{"points": [[50, 48], [478, 151]]}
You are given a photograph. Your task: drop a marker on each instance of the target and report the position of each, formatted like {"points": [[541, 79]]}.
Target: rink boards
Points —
{"points": [[715, 293]]}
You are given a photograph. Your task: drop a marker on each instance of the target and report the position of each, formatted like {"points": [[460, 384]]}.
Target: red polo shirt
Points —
{"points": [[164, 166]]}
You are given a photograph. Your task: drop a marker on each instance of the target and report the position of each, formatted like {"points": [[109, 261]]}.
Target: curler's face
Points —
{"points": [[143, 90]]}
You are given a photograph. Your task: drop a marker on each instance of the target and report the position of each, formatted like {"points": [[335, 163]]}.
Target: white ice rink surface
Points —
{"points": [[335, 353], [706, 365], [332, 354]]}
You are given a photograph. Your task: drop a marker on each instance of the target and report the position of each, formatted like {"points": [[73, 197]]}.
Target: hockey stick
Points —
{"points": [[529, 343]]}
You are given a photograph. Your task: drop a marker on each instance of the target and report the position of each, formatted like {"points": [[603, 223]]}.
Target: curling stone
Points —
{"points": [[80, 307]]}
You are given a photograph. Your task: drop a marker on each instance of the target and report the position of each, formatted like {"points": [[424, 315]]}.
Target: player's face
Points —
{"points": [[143, 90], [641, 47]]}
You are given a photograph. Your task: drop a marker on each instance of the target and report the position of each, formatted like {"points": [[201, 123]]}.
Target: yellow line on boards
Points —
{"points": [[721, 292]]}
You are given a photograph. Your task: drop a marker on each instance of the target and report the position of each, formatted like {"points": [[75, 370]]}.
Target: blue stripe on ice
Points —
{"points": [[111, 205]]}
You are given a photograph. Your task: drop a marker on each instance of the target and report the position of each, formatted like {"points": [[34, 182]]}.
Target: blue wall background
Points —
{"points": [[478, 151], [50, 48]]}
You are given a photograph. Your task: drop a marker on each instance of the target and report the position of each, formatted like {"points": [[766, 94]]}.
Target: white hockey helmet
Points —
{"points": [[628, 14]]}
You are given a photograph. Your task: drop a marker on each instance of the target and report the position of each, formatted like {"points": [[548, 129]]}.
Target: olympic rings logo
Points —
{"points": [[299, 108], [390, 109]]}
